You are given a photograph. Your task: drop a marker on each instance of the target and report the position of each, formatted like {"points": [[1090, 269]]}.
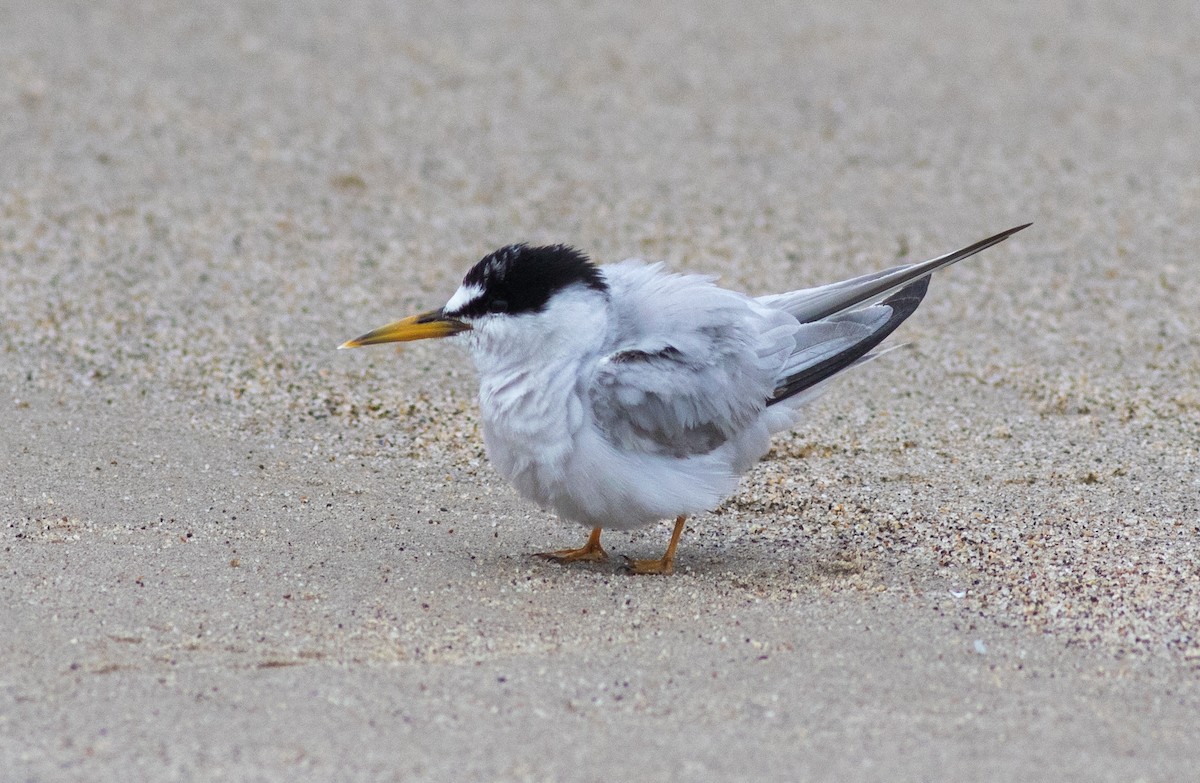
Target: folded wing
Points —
{"points": [[692, 364]]}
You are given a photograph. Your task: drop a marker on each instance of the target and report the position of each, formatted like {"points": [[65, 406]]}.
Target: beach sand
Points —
{"points": [[231, 552]]}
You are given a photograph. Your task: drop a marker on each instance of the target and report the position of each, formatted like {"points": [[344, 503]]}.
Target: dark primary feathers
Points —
{"points": [[520, 279], [903, 303], [836, 304]]}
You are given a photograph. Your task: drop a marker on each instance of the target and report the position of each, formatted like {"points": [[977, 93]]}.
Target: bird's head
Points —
{"points": [[516, 296]]}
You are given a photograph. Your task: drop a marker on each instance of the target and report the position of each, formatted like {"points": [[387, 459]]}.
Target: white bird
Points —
{"points": [[620, 395]]}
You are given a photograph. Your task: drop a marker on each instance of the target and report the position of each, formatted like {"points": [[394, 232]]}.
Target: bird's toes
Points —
{"points": [[662, 566], [581, 555]]}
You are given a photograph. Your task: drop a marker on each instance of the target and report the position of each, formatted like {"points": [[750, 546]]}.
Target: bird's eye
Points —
{"points": [[498, 306]]}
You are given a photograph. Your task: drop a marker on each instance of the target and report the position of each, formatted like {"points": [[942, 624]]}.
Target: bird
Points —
{"points": [[624, 394]]}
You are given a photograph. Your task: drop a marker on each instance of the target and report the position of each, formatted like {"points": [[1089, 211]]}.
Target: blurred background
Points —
{"points": [[199, 201]]}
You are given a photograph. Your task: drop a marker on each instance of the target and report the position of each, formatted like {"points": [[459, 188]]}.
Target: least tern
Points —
{"points": [[624, 394]]}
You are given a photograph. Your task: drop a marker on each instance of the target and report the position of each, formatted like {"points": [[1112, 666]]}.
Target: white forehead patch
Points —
{"points": [[462, 296]]}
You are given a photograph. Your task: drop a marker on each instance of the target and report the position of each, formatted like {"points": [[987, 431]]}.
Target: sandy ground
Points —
{"points": [[231, 552]]}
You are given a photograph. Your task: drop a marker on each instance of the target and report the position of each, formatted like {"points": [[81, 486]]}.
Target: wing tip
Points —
{"points": [[1015, 229]]}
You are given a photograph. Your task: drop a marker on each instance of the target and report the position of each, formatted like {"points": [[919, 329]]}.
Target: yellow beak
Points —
{"points": [[415, 327]]}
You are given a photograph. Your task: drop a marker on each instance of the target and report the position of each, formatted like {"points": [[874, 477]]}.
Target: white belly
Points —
{"points": [[583, 478], [541, 436]]}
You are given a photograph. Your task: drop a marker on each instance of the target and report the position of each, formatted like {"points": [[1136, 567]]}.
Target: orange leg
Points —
{"points": [[591, 551], [666, 564]]}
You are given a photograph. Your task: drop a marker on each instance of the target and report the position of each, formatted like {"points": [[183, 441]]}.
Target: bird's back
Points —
{"points": [[689, 365]]}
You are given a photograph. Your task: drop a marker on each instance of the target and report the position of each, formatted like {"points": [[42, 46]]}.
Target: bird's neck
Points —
{"points": [[531, 371], [574, 328]]}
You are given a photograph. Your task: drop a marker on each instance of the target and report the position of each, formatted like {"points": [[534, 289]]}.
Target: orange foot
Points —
{"points": [[664, 565], [589, 552]]}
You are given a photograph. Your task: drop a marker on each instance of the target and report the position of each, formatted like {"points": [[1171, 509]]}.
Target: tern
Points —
{"points": [[624, 394]]}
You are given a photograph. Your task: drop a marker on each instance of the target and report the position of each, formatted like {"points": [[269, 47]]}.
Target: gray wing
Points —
{"points": [[843, 322], [825, 348], [814, 304], [692, 364]]}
